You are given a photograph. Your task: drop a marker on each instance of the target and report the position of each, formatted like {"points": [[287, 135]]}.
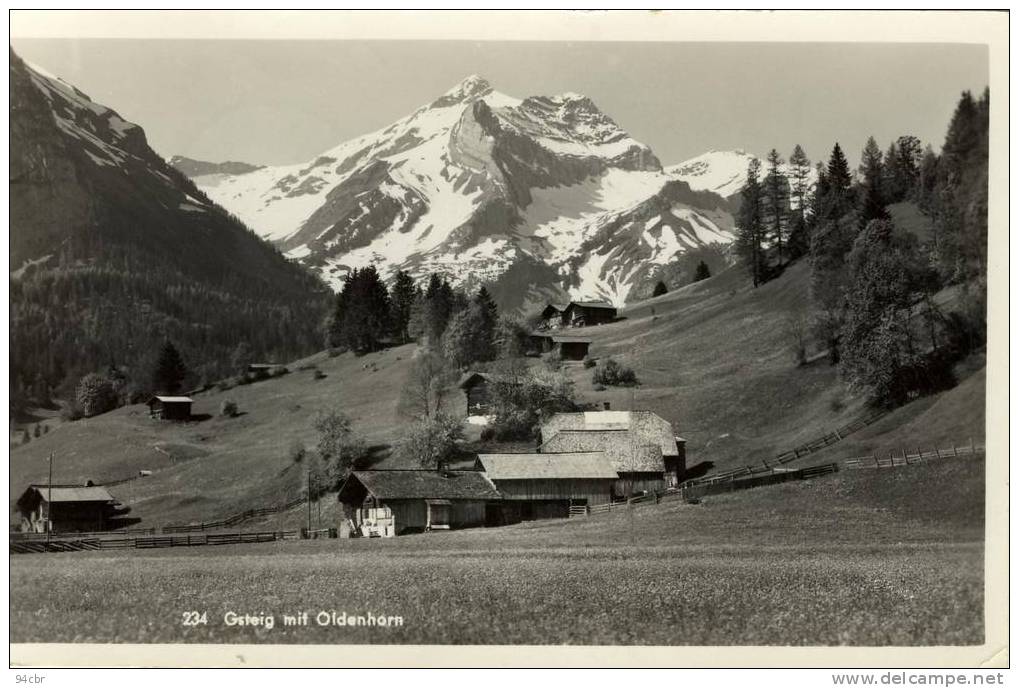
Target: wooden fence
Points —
{"points": [[905, 458], [770, 465], [75, 544], [686, 492], [236, 518]]}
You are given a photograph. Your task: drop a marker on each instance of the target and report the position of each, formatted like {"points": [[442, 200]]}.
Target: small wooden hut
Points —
{"points": [[170, 408]]}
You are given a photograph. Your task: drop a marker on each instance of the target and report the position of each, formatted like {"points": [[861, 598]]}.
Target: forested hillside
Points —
{"points": [[114, 252]]}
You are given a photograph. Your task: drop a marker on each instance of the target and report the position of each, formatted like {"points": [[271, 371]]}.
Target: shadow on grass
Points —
{"points": [[698, 470]]}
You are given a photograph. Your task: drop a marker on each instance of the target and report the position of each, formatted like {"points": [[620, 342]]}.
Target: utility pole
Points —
{"points": [[309, 499], [49, 500]]}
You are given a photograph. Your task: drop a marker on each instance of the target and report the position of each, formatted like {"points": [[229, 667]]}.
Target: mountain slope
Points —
{"points": [[712, 358], [724, 172], [111, 249], [546, 192]]}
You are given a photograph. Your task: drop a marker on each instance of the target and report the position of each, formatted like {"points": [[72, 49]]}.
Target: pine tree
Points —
{"points": [[750, 226], [872, 204], [403, 302], [488, 314], [776, 189], [661, 289], [702, 272], [170, 371], [799, 171]]}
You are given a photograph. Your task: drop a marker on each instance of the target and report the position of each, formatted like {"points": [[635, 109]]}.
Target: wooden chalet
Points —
{"points": [[646, 454], [420, 500], [587, 313], [547, 485], [569, 348], [170, 408], [69, 508]]}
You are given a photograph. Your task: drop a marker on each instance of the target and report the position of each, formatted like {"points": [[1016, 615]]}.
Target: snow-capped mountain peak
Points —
{"points": [[541, 198]]}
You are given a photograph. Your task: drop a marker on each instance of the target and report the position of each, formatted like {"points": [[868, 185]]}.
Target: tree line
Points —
{"points": [[872, 283]]}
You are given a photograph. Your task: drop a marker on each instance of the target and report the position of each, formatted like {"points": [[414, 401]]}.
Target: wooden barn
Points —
{"points": [[587, 313], [70, 508], [640, 444], [420, 500], [546, 485], [568, 347], [170, 408]]}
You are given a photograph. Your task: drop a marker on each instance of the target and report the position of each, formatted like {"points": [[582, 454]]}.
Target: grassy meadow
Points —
{"points": [[889, 557]]}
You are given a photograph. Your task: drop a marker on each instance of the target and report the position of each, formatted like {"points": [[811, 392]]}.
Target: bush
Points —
{"points": [[281, 371], [72, 412], [228, 408], [431, 442], [589, 362], [613, 373], [95, 394], [487, 434], [297, 451], [224, 385], [599, 388], [318, 375]]}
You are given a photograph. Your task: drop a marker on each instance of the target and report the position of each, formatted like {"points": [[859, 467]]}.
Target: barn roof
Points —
{"points": [[592, 304], [567, 339], [422, 484], [171, 400], [649, 427], [71, 493], [627, 452], [567, 465]]}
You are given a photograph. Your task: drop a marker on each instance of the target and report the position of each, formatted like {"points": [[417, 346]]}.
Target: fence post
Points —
{"points": [[955, 450], [919, 455], [972, 447]]}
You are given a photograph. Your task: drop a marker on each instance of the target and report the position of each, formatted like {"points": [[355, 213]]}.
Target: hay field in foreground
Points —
{"points": [[889, 557]]}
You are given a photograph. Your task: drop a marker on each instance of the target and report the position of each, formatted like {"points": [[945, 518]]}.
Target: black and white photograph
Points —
{"points": [[369, 330]]}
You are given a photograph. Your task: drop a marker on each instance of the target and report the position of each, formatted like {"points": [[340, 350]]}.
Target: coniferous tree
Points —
{"points": [[488, 314], [363, 310], [702, 272], [799, 172], [750, 225], [872, 204], [661, 289], [776, 189], [170, 370], [403, 301]]}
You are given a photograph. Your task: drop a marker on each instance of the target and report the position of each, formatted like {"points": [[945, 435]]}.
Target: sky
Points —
{"points": [[286, 101]]}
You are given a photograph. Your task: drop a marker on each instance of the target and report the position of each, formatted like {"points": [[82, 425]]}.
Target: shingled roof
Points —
{"points": [[560, 466], [625, 450], [424, 484], [65, 494], [649, 427]]}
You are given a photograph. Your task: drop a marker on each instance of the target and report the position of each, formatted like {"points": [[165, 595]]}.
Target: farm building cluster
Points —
{"points": [[585, 459]]}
